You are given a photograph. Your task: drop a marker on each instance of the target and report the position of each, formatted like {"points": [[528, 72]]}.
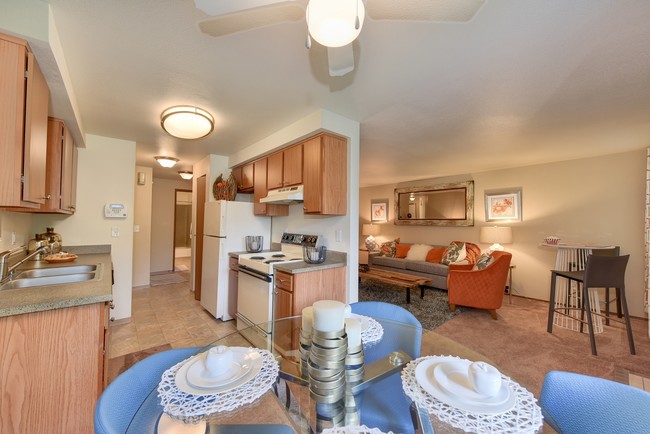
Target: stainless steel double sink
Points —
{"points": [[58, 275]]}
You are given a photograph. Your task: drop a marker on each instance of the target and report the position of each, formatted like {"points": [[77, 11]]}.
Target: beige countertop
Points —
{"points": [[41, 298]]}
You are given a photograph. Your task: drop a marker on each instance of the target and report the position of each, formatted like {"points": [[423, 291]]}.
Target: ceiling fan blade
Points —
{"points": [[252, 19], [423, 10], [225, 7], [340, 60]]}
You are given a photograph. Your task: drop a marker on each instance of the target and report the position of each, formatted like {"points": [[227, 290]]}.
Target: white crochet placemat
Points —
{"points": [[373, 333], [362, 429], [524, 417], [191, 408]]}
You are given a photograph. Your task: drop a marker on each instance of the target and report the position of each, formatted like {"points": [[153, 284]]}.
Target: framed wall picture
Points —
{"points": [[503, 206], [379, 210]]}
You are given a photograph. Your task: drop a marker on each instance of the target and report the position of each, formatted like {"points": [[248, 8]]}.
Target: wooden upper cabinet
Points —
{"points": [[61, 173], [244, 177], [292, 169], [261, 190], [274, 171], [285, 167], [23, 126], [325, 175]]}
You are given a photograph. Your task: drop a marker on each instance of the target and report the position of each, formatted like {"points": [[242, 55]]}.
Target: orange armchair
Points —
{"points": [[481, 289]]}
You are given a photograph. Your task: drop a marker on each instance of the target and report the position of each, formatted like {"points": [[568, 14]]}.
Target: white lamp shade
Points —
{"points": [[370, 229], [496, 235], [187, 122], [332, 22]]}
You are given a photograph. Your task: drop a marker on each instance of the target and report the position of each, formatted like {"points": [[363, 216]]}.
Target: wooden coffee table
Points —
{"points": [[402, 280]]}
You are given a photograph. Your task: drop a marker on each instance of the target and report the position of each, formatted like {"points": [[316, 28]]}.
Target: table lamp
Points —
{"points": [[497, 235], [370, 230]]}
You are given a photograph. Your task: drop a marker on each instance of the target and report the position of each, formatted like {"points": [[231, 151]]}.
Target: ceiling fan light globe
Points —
{"points": [[332, 23]]}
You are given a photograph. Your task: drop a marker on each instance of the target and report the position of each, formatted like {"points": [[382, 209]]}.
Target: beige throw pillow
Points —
{"points": [[418, 252]]}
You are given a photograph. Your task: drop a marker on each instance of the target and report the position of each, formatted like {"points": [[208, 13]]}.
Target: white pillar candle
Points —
{"points": [[307, 319], [353, 330], [329, 316], [348, 311]]}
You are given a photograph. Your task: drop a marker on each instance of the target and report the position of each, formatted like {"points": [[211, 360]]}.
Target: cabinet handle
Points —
{"points": [[48, 197], [72, 208], [275, 292], [111, 305]]}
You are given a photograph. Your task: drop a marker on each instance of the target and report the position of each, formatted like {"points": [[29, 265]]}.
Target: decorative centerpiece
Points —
{"points": [[224, 189]]}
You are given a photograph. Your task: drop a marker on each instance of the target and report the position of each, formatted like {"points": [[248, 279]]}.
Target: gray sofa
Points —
{"points": [[435, 272]]}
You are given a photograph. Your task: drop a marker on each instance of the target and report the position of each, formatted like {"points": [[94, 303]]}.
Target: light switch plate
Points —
{"points": [[115, 232]]}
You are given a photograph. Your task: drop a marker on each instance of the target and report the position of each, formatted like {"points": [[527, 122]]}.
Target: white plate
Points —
{"points": [[425, 377], [365, 323], [452, 377], [243, 356], [198, 376]]}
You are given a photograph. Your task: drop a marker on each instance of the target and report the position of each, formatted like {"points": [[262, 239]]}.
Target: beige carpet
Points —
{"points": [[522, 349]]}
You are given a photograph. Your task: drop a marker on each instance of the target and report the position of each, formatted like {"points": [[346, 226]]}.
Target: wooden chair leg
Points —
{"points": [[493, 313], [452, 307]]}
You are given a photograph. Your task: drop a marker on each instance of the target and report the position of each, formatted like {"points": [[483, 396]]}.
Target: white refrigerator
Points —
{"points": [[226, 224]]}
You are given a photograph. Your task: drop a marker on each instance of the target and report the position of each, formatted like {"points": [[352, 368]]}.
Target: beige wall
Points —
{"points": [[142, 228], [162, 223], [594, 200], [17, 223], [105, 175]]}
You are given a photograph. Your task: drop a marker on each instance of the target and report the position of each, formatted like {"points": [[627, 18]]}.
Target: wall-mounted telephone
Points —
{"points": [[115, 211]]}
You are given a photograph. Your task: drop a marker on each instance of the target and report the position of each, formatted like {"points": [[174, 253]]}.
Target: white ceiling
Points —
{"points": [[523, 82]]}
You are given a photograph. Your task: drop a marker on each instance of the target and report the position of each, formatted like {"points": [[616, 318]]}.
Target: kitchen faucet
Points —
{"points": [[6, 271]]}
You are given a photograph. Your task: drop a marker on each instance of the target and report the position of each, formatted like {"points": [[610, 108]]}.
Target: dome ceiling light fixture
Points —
{"points": [[166, 161], [334, 23], [186, 174], [186, 122]]}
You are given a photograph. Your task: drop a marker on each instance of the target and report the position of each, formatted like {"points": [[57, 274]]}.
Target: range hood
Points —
{"points": [[284, 196]]}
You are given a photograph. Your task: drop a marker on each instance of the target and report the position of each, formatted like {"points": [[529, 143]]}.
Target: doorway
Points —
{"points": [[182, 230]]}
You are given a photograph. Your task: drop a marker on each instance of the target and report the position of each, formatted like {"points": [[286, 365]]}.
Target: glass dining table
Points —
{"points": [[289, 401]]}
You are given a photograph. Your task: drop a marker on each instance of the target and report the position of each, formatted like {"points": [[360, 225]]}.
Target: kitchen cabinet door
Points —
{"points": [[261, 190], [292, 166], [274, 171], [244, 177], [60, 175], [325, 175], [23, 126]]}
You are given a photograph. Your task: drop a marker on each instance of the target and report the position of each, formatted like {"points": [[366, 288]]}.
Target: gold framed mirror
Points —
{"points": [[449, 204]]}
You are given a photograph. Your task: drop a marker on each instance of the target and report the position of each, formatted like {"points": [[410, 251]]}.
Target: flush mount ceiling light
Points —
{"points": [[187, 122], [166, 161], [335, 23], [185, 174]]}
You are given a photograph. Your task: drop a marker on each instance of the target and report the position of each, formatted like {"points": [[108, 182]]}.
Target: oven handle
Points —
{"points": [[256, 274]]}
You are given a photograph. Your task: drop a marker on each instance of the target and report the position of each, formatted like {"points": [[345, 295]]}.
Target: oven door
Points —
{"points": [[254, 299]]}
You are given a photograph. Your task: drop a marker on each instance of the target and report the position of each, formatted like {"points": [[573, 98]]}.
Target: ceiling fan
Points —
{"points": [[233, 16]]}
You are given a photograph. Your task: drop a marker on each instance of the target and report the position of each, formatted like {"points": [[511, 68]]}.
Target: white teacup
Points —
{"points": [[218, 360], [484, 378]]}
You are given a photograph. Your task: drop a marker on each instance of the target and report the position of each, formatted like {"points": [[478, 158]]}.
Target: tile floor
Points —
{"points": [[166, 314]]}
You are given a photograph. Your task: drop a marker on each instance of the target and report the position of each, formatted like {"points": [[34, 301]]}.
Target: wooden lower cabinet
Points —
{"points": [[294, 292], [52, 369]]}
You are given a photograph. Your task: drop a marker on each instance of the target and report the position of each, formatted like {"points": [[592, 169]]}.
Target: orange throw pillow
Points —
{"points": [[402, 250], [435, 254]]}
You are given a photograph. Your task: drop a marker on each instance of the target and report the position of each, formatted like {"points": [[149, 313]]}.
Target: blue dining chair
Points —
{"points": [[122, 398], [576, 404], [384, 404]]}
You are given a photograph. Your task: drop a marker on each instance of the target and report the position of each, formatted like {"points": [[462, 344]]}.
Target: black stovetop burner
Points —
{"points": [[278, 255], [257, 258]]}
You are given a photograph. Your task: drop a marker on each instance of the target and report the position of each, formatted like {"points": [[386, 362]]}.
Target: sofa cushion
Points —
{"points": [[454, 253], [435, 254], [401, 250], [387, 261], [418, 252], [483, 261], [427, 267], [389, 248], [473, 252]]}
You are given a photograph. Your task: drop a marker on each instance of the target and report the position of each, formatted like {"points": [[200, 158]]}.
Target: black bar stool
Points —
{"points": [[600, 272]]}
